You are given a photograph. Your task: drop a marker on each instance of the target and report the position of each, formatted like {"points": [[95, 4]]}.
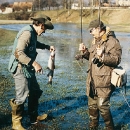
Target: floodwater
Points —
{"points": [[65, 101]]}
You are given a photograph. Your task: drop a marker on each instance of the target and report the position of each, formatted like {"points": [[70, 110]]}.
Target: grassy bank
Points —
{"points": [[6, 37], [109, 16]]}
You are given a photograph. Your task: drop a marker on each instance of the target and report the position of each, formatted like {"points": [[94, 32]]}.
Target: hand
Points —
{"points": [[78, 57], [100, 51], [82, 47], [37, 67], [52, 48]]}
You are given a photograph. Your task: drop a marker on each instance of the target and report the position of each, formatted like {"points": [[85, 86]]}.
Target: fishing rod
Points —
{"points": [[81, 21], [99, 2], [81, 10]]}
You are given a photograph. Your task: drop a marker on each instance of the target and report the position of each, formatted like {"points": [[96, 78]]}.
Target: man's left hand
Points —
{"points": [[100, 51]]}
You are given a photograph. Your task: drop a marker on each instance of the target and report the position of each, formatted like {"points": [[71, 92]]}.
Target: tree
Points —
{"points": [[43, 4], [4, 5]]}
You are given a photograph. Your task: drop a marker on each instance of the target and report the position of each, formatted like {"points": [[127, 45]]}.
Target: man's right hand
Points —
{"points": [[37, 67], [78, 57], [82, 47]]}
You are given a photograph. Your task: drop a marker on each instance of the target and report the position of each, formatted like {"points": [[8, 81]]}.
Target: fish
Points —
{"points": [[51, 66]]}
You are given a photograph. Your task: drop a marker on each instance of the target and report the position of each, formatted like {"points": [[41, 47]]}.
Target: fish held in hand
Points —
{"points": [[51, 66]]}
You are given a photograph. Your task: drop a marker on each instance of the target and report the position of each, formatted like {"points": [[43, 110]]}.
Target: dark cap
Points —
{"points": [[96, 23], [45, 20]]}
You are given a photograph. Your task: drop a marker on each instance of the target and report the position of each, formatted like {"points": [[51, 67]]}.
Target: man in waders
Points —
{"points": [[103, 55], [23, 66]]}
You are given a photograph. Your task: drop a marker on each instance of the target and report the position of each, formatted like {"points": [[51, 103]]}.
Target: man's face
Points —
{"points": [[41, 29], [95, 32]]}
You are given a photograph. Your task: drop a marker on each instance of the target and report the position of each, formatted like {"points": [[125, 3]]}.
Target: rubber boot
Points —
{"points": [[108, 121], [41, 117], [17, 111], [104, 108], [94, 117]]}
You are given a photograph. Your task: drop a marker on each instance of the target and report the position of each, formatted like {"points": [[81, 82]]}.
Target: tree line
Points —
{"points": [[53, 4]]}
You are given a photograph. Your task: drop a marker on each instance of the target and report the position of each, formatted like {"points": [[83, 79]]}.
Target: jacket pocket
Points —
{"points": [[103, 78]]}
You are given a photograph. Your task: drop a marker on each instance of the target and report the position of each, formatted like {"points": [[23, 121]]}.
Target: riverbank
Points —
{"points": [[115, 27], [117, 19], [109, 16], [15, 22]]}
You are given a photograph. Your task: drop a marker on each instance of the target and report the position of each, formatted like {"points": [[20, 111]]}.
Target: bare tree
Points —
{"points": [[43, 4]]}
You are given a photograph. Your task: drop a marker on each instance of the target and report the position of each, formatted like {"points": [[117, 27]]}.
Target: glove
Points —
{"points": [[26, 72]]}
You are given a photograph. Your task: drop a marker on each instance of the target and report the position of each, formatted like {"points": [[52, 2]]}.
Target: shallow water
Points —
{"points": [[65, 101]]}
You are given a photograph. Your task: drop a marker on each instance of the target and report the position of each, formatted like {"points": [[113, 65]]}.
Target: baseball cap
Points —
{"points": [[96, 23]]}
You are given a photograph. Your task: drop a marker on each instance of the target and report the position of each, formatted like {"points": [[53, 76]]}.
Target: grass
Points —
{"points": [[6, 37]]}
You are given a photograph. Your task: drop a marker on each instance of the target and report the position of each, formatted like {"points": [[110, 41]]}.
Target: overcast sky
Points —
{"points": [[3, 1]]}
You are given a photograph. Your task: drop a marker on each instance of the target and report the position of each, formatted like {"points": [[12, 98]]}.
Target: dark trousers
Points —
{"points": [[98, 105], [34, 94]]}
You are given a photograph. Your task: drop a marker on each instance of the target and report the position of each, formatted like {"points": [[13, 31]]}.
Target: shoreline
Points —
{"points": [[115, 27], [2, 22]]}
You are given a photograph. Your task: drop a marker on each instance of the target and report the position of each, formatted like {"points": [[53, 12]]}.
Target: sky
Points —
{"points": [[2, 1]]}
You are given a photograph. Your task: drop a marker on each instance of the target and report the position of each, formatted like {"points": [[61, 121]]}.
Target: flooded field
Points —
{"points": [[65, 101]]}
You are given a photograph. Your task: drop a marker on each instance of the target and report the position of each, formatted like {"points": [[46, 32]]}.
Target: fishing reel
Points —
{"points": [[95, 60]]}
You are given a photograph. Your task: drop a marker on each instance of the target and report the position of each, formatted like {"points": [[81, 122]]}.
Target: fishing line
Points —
{"points": [[80, 67], [125, 98]]}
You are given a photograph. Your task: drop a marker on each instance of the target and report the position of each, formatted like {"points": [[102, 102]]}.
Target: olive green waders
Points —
{"points": [[101, 105], [17, 112]]}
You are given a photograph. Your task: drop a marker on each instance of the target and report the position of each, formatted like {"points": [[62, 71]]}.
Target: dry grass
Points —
{"points": [[14, 21]]}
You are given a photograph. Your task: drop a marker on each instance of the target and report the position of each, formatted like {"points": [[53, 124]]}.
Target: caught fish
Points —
{"points": [[51, 66]]}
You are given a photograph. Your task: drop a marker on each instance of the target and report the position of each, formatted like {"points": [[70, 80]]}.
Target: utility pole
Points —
{"points": [[92, 9]]}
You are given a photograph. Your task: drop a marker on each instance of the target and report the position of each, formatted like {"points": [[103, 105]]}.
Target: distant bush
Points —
{"points": [[19, 16]]}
